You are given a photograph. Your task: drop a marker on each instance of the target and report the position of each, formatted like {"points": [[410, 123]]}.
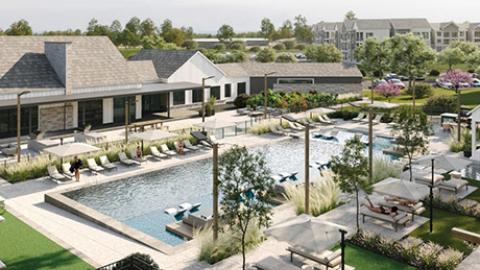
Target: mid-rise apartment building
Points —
{"points": [[448, 32]]}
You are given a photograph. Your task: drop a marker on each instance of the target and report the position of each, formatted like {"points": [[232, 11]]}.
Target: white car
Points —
{"points": [[397, 82], [444, 84], [475, 82]]}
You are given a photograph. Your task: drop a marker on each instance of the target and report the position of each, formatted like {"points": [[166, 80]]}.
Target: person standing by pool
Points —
{"points": [[75, 167]]}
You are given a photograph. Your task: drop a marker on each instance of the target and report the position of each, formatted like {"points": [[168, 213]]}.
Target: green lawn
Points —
{"points": [[470, 97], [443, 222], [362, 259], [23, 248], [127, 52]]}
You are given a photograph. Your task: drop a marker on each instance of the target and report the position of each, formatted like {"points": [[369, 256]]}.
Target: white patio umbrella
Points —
{"points": [[71, 149], [402, 189], [305, 232], [376, 104], [443, 162], [319, 110], [153, 135], [215, 125]]}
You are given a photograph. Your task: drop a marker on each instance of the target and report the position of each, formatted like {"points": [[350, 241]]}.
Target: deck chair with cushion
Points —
{"points": [[106, 164], [378, 119], [164, 148], [126, 161], [54, 174], [330, 259], [93, 166], [157, 154], [359, 117], [453, 185], [323, 120], [295, 127], [66, 170], [189, 145], [400, 219]]}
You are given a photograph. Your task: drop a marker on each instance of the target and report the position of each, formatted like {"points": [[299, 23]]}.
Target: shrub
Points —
{"points": [[300, 47], [137, 261], [383, 168], [227, 244], [190, 44], [236, 45], [421, 90], [255, 49], [289, 44], [427, 255], [464, 143], [324, 196], [439, 104], [220, 47], [266, 55], [241, 101], [264, 127], [434, 73], [280, 47], [343, 114], [286, 58], [448, 259]]}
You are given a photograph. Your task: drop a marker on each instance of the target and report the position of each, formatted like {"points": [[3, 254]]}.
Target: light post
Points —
{"points": [[19, 124], [203, 96], [265, 93], [459, 113], [342, 246], [307, 169], [370, 139], [431, 195], [126, 120], [215, 192]]}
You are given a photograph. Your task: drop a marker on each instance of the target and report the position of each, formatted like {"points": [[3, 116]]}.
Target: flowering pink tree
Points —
{"points": [[388, 90], [457, 77]]}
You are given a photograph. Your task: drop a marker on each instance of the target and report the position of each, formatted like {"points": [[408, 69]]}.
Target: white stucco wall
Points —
{"points": [[107, 110]]}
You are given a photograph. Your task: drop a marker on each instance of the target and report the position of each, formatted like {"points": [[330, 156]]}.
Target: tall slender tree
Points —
{"points": [[20, 28], [267, 29]]}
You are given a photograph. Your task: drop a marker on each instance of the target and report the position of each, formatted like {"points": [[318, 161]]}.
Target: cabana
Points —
{"points": [[213, 126], [153, 135], [71, 149]]}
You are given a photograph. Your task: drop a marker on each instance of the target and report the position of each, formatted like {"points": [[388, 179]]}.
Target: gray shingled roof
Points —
{"points": [[334, 88], [409, 23], [145, 70], [166, 62], [474, 25], [329, 26], [366, 24], [95, 62], [443, 25], [255, 69]]}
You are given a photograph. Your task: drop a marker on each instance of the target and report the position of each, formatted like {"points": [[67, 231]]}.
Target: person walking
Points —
{"points": [[75, 167]]}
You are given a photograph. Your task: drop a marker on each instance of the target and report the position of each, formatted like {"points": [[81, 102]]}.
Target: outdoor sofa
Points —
{"points": [[330, 259], [271, 263], [415, 209], [453, 185], [399, 219]]}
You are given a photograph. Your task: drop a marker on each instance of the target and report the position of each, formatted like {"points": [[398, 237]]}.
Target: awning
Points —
{"points": [[153, 135], [215, 125], [71, 149], [376, 104], [444, 162]]}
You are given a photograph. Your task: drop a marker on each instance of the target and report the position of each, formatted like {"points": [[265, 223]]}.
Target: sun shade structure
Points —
{"points": [[71, 149], [289, 117], [215, 125], [154, 135], [305, 232], [444, 162], [376, 104], [320, 110], [402, 189]]}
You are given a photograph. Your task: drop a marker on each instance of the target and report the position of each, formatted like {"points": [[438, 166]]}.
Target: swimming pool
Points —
{"points": [[140, 201]]}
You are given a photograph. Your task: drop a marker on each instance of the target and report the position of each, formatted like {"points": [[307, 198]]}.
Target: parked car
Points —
{"points": [[397, 82], [300, 56], [390, 76], [443, 84], [475, 82]]}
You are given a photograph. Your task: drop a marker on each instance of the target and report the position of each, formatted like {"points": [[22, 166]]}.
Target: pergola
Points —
{"points": [[475, 115]]}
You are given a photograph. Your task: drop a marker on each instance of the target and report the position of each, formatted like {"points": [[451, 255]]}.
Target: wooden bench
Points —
{"points": [[330, 259], [466, 235], [400, 219]]}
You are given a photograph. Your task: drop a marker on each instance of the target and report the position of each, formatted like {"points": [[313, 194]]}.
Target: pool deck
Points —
{"points": [[99, 246]]}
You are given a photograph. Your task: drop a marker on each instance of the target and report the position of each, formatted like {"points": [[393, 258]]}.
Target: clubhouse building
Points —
{"points": [[71, 82]]}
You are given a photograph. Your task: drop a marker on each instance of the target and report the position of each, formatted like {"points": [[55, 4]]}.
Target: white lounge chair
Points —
{"points": [[54, 174], [93, 166], [126, 161], [359, 117], [275, 130], [164, 148], [325, 116], [106, 164], [295, 126], [157, 154], [66, 170], [189, 146], [323, 120], [378, 118]]}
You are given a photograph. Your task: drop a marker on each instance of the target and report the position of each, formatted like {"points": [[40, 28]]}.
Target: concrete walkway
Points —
{"points": [[472, 262]]}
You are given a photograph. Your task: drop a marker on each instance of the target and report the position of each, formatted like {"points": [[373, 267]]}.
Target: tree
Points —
{"points": [[266, 55], [388, 90], [350, 16], [188, 31], [466, 47], [96, 29], [350, 169], [247, 187], [324, 53], [174, 35], [411, 57], [451, 57], [115, 32], [148, 28], [473, 59], [225, 33], [166, 26], [286, 30], [302, 31], [410, 129], [456, 77], [134, 26], [20, 28], [267, 29]]}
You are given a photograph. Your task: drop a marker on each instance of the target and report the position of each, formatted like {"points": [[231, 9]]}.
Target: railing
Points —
{"points": [[129, 263]]}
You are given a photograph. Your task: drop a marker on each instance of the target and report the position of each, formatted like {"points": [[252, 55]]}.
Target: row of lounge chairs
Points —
{"points": [[363, 118]]}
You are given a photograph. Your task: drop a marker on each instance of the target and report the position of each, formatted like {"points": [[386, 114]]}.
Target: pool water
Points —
{"points": [[140, 201]]}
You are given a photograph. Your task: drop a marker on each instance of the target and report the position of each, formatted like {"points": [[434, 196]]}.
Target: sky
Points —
{"points": [[205, 16]]}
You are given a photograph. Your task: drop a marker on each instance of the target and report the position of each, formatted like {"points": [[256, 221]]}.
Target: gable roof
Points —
{"points": [[327, 26], [166, 62], [255, 69], [145, 70], [379, 24], [443, 25], [94, 62], [409, 23]]}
